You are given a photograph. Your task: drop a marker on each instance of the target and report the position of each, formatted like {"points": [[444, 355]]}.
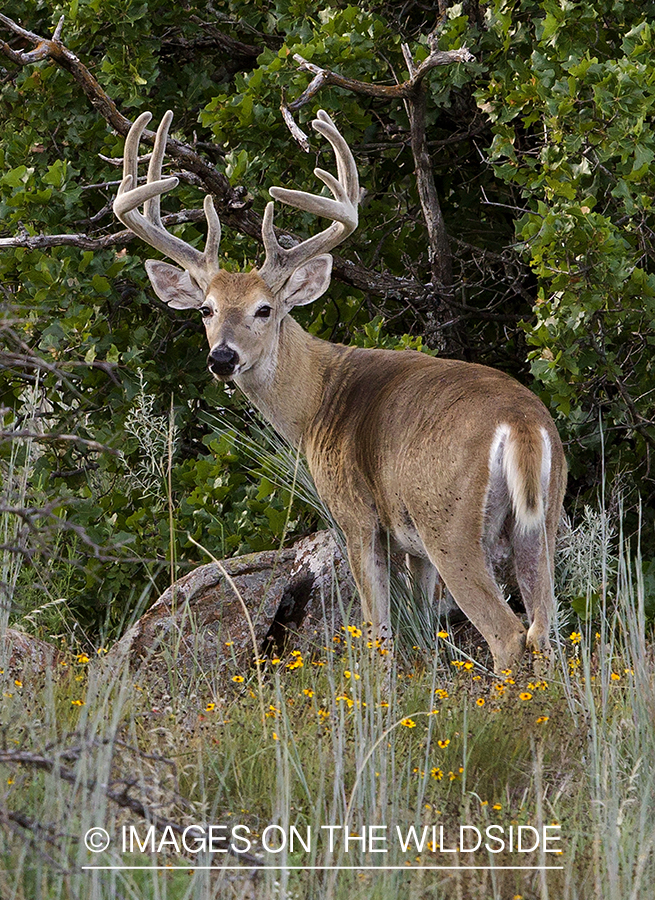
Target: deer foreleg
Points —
{"points": [[369, 564]]}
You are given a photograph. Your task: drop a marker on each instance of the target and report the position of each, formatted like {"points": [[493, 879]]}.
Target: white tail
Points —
{"points": [[524, 455], [454, 464]]}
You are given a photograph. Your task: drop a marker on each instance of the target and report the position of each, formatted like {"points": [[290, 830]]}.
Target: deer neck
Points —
{"points": [[288, 389]]}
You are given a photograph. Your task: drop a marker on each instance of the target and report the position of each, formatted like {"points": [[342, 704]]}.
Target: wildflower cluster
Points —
{"points": [[574, 661], [296, 662], [466, 665]]}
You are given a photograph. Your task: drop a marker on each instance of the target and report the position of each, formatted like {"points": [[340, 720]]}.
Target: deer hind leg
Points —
{"points": [[424, 578], [467, 561], [479, 597], [534, 568]]}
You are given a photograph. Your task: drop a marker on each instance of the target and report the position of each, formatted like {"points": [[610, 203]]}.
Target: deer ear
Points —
{"points": [[174, 286], [307, 282]]}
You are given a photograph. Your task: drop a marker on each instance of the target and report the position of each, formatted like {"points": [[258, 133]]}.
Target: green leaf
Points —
{"points": [[100, 284]]}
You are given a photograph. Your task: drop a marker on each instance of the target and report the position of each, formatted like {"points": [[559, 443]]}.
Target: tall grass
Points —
{"points": [[347, 740], [15, 475]]}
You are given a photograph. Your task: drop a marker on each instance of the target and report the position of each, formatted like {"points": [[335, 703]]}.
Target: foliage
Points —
{"points": [[541, 150]]}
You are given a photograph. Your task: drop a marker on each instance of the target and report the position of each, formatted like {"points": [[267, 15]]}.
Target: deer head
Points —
{"points": [[242, 312]]}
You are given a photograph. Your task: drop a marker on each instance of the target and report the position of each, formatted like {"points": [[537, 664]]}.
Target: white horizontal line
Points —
{"points": [[319, 868]]}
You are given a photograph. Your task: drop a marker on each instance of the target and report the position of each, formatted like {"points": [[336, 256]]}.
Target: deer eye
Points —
{"points": [[205, 311], [263, 312]]}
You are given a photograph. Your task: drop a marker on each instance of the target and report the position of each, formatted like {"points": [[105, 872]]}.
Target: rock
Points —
{"points": [[20, 652], [220, 617]]}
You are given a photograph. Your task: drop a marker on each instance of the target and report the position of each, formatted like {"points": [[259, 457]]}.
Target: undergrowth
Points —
{"points": [[347, 738]]}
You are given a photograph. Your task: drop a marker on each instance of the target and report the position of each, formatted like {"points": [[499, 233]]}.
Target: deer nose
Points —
{"points": [[222, 360]]}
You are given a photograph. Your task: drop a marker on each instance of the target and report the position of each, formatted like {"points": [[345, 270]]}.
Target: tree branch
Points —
{"points": [[55, 438], [401, 91], [120, 798], [439, 252], [414, 94], [229, 200], [83, 242]]}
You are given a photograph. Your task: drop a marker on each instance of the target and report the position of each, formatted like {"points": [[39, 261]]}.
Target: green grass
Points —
{"points": [[347, 739]]}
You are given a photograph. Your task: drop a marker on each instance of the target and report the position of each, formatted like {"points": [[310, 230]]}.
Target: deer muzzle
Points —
{"points": [[222, 361]]}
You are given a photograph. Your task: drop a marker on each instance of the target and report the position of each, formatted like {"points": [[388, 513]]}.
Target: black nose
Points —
{"points": [[222, 361]]}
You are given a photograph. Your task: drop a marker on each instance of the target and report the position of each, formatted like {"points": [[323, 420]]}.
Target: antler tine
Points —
{"points": [[152, 207], [280, 262], [346, 166], [148, 225]]}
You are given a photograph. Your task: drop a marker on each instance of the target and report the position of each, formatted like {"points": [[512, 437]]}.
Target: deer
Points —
{"points": [[456, 465]]}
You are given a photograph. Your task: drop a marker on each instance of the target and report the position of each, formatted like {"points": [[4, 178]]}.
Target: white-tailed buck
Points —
{"points": [[454, 464]]}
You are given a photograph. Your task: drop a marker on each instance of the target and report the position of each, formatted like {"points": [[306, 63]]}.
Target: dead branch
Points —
{"points": [[413, 92], [10, 819], [84, 242], [401, 91], [57, 437], [121, 798], [438, 245]]}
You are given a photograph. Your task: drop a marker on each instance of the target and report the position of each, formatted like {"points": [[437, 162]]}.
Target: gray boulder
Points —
{"points": [[223, 615]]}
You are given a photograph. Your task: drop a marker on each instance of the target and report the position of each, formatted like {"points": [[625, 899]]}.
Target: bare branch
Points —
{"points": [[215, 181], [121, 798], [55, 438], [118, 160], [414, 93], [236, 53], [382, 91], [10, 818], [84, 242], [438, 246], [298, 135]]}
